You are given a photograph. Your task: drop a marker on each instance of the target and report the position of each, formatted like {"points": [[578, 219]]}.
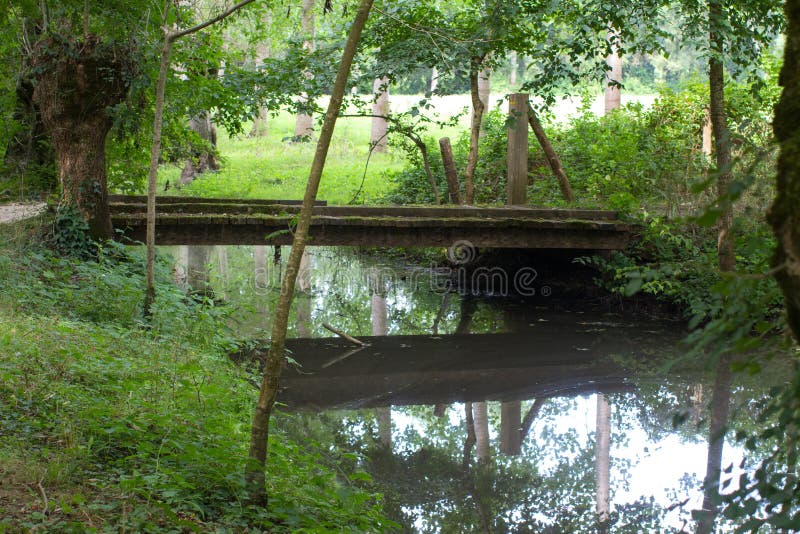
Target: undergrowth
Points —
{"points": [[109, 424]]}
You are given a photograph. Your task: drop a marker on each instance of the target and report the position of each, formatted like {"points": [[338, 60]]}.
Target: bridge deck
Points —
{"points": [[193, 221]]}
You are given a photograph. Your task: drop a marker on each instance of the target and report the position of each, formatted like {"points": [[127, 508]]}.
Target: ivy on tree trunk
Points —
{"points": [[76, 82], [785, 213]]}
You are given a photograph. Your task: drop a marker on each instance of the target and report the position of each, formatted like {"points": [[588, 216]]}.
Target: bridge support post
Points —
{"points": [[510, 424], [517, 149]]}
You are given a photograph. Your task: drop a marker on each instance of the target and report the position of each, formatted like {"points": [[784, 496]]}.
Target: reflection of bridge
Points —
{"points": [[196, 221], [545, 361]]}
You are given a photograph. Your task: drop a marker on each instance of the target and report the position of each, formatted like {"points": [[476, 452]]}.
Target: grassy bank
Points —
{"points": [[108, 426]]}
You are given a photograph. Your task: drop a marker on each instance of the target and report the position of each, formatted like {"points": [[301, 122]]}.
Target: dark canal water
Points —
{"points": [[509, 409]]}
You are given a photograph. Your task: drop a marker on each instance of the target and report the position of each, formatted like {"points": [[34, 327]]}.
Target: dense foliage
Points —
{"points": [[134, 427]]}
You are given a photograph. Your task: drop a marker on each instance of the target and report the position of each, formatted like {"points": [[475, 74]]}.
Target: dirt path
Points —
{"points": [[10, 213]]}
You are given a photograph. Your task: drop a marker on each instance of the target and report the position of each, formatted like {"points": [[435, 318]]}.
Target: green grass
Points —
{"points": [[271, 167], [107, 425]]}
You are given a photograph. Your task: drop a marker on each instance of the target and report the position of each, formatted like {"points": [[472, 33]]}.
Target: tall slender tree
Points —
{"points": [[255, 469]]}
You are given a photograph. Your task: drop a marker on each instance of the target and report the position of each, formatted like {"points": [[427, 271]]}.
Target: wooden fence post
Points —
{"points": [[517, 149]]}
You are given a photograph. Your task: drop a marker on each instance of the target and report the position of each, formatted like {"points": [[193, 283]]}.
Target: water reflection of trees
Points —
{"points": [[550, 485]]}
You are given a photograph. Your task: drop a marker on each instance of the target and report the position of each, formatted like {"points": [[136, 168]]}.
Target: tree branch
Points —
{"points": [[225, 14]]}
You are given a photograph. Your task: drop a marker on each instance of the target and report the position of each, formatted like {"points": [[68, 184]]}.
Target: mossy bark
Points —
{"points": [[76, 82], [785, 213]]}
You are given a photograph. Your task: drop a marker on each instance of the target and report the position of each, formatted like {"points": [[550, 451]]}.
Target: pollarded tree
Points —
{"points": [[91, 65], [83, 58]]}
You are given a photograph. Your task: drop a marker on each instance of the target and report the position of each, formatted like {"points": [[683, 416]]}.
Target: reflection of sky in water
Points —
{"points": [[645, 462]]}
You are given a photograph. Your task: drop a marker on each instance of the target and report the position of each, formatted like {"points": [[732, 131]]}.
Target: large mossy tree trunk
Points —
{"points": [[785, 213], [76, 82]]}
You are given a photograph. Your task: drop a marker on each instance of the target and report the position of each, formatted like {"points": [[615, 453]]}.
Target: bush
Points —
{"points": [[630, 160]]}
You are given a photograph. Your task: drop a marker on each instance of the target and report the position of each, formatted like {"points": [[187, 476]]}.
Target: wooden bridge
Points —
{"points": [[207, 221]]}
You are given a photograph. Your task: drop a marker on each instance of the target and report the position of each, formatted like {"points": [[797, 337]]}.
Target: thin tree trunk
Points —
{"points": [[602, 473], [470, 441], [155, 152], [707, 136], [530, 417], [434, 82], [785, 215], [722, 137], [510, 427], [720, 406], [304, 125], [512, 73], [161, 82], [379, 328], [222, 267], [551, 157], [303, 286], [197, 271], [263, 51], [479, 84], [481, 415], [254, 472], [261, 280], [612, 91], [380, 110]]}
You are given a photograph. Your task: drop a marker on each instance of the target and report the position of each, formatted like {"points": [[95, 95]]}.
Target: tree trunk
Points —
{"points": [[722, 138], [152, 174], [513, 69], [785, 214], [380, 108], [720, 406], [222, 268], [73, 93], [263, 51], [510, 426], [379, 328], [197, 273], [303, 286], [479, 90], [304, 125], [155, 149], [254, 471], [602, 472], [29, 153], [180, 271], [261, 281], [613, 95], [481, 416], [707, 135], [434, 81], [203, 159]]}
